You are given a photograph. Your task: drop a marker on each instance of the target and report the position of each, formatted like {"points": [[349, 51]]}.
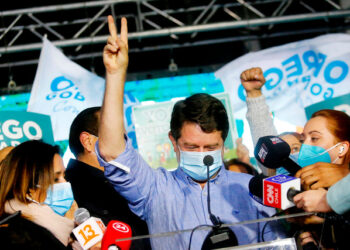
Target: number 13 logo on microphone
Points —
{"points": [[89, 232]]}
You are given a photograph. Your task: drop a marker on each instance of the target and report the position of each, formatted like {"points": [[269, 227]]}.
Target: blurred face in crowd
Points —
{"points": [[293, 143], [59, 169], [238, 169], [316, 133]]}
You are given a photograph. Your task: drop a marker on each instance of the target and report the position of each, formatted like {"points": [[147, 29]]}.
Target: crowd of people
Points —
{"points": [[108, 177]]}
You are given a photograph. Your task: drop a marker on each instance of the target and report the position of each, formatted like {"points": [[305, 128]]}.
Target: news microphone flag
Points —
{"points": [[62, 89], [275, 191], [90, 232], [273, 152], [116, 230]]}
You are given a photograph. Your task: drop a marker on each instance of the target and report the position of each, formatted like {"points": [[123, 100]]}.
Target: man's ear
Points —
{"points": [[86, 141], [173, 141]]}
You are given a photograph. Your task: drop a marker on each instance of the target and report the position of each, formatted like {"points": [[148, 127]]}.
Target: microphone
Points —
{"points": [[276, 191], [208, 160], [90, 230], [116, 230], [81, 215], [220, 236], [273, 152]]}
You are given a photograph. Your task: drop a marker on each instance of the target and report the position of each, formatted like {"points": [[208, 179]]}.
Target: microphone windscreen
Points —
{"points": [[271, 151], [256, 186], [81, 215], [208, 160]]}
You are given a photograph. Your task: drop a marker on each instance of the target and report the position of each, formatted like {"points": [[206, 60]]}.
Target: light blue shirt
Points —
{"points": [[338, 196], [171, 200]]}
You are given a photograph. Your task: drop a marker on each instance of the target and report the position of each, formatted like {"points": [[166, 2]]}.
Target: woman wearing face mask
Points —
{"points": [[32, 205], [324, 154]]}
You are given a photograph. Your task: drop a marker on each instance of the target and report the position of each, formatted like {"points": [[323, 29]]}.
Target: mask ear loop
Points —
{"points": [[336, 159], [341, 150], [326, 151]]}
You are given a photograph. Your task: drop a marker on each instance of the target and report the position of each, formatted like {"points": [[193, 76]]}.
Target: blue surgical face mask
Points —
{"points": [[310, 154], [192, 164], [294, 157], [60, 198]]}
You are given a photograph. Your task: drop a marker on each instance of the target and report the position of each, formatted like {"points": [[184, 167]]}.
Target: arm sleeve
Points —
{"points": [[338, 196], [130, 176], [260, 121]]}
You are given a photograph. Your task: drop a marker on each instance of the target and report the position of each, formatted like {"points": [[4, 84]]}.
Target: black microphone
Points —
{"points": [[256, 188], [220, 236], [273, 152], [208, 160]]}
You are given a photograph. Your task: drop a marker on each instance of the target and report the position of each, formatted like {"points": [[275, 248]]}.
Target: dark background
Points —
{"points": [[150, 56]]}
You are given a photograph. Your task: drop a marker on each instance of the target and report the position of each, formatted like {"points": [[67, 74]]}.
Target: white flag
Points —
{"points": [[297, 75], [62, 89]]}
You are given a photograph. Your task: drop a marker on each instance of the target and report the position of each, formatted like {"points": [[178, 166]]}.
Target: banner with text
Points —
{"points": [[297, 75], [62, 89], [18, 126]]}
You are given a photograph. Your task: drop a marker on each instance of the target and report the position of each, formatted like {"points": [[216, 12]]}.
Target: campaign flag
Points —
{"points": [[62, 89], [340, 103], [297, 75]]}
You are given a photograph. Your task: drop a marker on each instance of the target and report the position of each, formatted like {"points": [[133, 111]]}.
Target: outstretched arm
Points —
{"points": [[115, 58], [258, 114]]}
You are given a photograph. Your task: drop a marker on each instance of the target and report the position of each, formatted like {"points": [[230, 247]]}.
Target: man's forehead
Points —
{"points": [[192, 134]]}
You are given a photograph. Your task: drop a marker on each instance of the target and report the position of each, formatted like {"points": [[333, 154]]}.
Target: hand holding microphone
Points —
{"points": [[313, 201], [321, 175]]}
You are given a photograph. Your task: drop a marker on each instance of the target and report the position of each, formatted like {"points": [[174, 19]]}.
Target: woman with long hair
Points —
{"points": [[34, 198]]}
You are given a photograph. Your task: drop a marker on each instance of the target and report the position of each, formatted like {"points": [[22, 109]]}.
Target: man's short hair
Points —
{"points": [[203, 109], [86, 121]]}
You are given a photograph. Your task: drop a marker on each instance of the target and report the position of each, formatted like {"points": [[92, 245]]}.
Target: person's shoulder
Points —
{"points": [[21, 232], [72, 166]]}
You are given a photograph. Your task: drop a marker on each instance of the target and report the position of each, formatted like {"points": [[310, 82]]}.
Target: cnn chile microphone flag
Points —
{"points": [[276, 189], [62, 89]]}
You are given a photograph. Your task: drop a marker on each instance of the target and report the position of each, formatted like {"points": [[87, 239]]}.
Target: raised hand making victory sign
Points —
{"points": [[115, 53], [115, 59]]}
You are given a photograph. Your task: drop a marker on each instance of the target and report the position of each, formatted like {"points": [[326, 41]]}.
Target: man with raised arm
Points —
{"points": [[176, 200]]}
